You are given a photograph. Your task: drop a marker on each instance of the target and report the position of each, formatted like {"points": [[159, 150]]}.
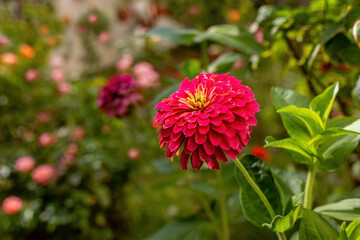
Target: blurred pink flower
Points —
{"points": [[77, 134], [133, 153], [32, 75], [57, 75], [43, 117], [64, 87], [193, 10], [4, 41], [92, 18], [259, 35], [103, 37], [145, 75], [43, 174], [47, 139], [57, 61], [9, 58], [72, 149], [80, 29], [124, 62], [24, 164], [12, 205], [239, 63]]}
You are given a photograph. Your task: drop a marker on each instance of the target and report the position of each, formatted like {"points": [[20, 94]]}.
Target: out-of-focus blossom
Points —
{"points": [[4, 41], [69, 156], [80, 29], [24, 164], [124, 62], [27, 51], [44, 30], [124, 14], [46, 139], [92, 18], [259, 35], [233, 15], [262, 153], [52, 41], [211, 116], [133, 153], [193, 10], [12, 205], [57, 61], [77, 134], [43, 117], [325, 67], [118, 95], [103, 37], [145, 75], [341, 67], [239, 63], [64, 87], [57, 75], [9, 58], [43, 174], [72, 149], [32, 75]]}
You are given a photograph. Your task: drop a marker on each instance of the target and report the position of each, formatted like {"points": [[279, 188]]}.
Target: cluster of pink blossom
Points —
{"points": [[58, 76]]}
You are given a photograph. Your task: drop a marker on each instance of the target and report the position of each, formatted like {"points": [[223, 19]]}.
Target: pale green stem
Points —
{"points": [[223, 208], [210, 214], [309, 186]]}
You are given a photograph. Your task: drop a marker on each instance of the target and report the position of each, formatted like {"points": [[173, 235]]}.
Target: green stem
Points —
{"points": [[281, 236], [223, 208], [255, 187], [210, 214], [309, 186]]}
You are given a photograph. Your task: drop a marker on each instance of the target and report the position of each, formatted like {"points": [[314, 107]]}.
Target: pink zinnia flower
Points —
{"points": [[77, 134], [57, 75], [133, 153], [118, 95], [211, 116], [124, 62], [145, 75], [24, 164], [46, 139], [64, 87], [12, 205], [92, 18], [31, 75], [57, 61], [43, 174], [103, 37]]}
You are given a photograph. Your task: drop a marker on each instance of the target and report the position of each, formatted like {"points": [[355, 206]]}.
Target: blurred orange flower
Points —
{"points": [[233, 15], [9, 58], [261, 153], [44, 30], [27, 51]]}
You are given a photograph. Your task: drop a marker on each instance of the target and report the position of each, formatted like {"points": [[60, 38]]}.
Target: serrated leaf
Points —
{"points": [[346, 210], [224, 63], [178, 36], [314, 227], [253, 207], [323, 103], [284, 223]]}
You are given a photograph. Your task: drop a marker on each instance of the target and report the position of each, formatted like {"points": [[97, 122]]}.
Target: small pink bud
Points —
{"points": [[47, 139], [64, 87], [103, 37], [12, 205], [133, 153], [92, 18], [24, 164], [4, 41], [31, 75], [57, 75], [43, 174], [124, 62]]}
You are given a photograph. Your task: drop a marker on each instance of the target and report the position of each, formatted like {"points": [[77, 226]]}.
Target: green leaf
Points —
{"points": [[297, 146], [253, 208], [343, 234], [190, 68], [347, 123], [232, 36], [332, 31], [282, 97], [185, 230], [336, 45], [356, 92], [323, 103], [351, 54], [347, 210], [284, 223], [224, 63], [353, 230], [356, 32], [352, 16], [178, 36], [309, 119], [330, 132], [314, 227]]}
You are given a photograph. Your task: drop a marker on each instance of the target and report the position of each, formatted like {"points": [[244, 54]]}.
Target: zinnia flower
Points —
{"points": [[12, 205], [24, 164], [31, 75], [43, 174], [262, 153], [211, 116], [46, 139], [116, 97], [27, 51], [145, 75], [124, 62]]}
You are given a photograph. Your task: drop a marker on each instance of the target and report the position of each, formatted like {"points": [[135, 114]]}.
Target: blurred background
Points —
{"points": [[77, 173]]}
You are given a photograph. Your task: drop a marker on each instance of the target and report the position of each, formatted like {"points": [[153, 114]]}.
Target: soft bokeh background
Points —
{"points": [[107, 178]]}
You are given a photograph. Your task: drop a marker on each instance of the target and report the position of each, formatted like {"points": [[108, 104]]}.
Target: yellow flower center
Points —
{"points": [[197, 101]]}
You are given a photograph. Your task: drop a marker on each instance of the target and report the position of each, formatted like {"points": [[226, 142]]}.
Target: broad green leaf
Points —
{"points": [[204, 188], [347, 123], [270, 139], [343, 234], [224, 63], [336, 45], [190, 68], [314, 227], [264, 13], [282, 97], [323, 103], [347, 210], [253, 208], [178, 36], [351, 54], [356, 92], [352, 16], [185, 230], [296, 146], [330, 132], [232, 36], [353, 230], [332, 31], [284, 223], [309, 119]]}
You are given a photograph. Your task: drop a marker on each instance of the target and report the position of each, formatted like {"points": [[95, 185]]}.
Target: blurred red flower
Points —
{"points": [[12, 205], [262, 153]]}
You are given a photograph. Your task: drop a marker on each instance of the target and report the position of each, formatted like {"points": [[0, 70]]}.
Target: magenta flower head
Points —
{"points": [[211, 116], [118, 95]]}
